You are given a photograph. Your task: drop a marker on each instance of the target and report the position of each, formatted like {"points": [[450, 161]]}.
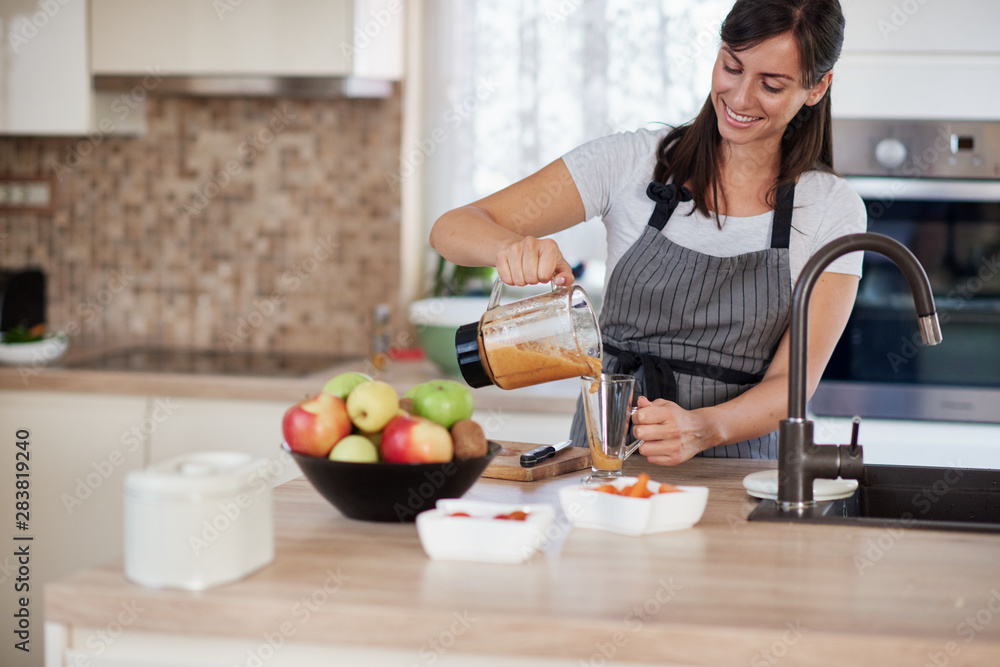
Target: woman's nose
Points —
{"points": [[742, 94]]}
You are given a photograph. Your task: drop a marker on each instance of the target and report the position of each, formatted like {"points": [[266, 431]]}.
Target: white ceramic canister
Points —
{"points": [[198, 520]]}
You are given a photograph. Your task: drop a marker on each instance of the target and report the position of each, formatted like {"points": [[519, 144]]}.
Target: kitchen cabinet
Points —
{"points": [[81, 447], [918, 59], [44, 82], [919, 26], [293, 38]]}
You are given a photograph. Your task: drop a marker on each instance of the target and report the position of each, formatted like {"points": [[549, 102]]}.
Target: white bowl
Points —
{"points": [[51, 347], [480, 537], [447, 311], [587, 508]]}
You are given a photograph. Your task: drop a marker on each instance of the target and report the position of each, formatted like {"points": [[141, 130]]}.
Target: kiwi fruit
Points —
{"points": [[469, 439]]}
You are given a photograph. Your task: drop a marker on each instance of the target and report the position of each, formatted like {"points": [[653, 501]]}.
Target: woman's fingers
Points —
{"points": [[552, 266], [669, 431], [532, 261]]}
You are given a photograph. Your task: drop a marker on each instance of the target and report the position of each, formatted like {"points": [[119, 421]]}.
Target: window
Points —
{"points": [[510, 85]]}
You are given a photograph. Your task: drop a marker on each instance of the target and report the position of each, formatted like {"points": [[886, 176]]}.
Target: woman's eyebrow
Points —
{"points": [[739, 62]]}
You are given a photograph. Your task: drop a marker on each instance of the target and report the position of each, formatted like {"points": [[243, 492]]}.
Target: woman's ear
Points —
{"points": [[819, 90]]}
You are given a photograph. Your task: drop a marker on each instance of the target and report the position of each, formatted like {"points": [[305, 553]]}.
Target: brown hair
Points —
{"points": [[690, 153]]}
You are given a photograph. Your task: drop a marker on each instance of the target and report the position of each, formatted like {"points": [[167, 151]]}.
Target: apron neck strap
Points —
{"points": [[781, 224], [666, 197]]}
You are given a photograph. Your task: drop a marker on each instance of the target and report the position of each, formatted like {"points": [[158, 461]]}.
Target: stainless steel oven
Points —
{"points": [[935, 186]]}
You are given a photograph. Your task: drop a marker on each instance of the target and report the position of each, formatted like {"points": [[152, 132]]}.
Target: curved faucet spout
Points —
{"points": [[920, 286], [800, 460]]}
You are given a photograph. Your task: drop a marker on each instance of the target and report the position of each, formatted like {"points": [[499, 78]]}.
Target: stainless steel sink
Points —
{"points": [[908, 497]]}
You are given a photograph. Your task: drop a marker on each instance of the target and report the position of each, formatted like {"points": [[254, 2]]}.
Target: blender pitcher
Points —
{"points": [[548, 337]]}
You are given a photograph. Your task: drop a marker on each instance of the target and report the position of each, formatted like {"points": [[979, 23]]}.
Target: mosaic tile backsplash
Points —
{"points": [[252, 224]]}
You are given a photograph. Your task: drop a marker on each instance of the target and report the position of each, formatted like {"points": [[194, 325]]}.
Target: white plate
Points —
{"points": [[587, 508], [764, 485], [480, 537], [41, 352]]}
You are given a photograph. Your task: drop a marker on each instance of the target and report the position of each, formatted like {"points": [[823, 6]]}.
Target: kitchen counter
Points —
{"points": [[725, 592], [554, 398]]}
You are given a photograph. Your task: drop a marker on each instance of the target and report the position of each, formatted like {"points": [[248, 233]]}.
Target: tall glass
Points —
{"points": [[607, 409]]}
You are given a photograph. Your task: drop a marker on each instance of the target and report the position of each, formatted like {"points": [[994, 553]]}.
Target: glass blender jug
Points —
{"points": [[548, 337]]}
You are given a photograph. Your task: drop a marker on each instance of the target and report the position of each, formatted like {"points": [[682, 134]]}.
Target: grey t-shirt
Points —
{"points": [[612, 174]]}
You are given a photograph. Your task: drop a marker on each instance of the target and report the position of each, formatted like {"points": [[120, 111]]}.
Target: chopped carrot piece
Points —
{"points": [[459, 514], [517, 515], [638, 490]]}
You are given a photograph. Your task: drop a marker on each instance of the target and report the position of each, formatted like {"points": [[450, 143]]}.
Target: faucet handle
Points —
{"points": [[855, 427]]}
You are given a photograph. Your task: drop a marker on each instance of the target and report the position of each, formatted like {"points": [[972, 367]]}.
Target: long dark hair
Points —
{"points": [[690, 153]]}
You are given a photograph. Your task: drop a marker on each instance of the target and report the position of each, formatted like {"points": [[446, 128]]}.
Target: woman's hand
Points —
{"points": [[531, 261], [670, 433]]}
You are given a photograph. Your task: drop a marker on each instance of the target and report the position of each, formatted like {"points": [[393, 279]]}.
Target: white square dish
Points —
{"points": [[480, 537], [587, 508]]}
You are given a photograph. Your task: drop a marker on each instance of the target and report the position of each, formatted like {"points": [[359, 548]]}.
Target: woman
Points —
{"points": [[698, 309]]}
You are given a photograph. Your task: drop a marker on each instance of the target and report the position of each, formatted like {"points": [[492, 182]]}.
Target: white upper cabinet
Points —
{"points": [[295, 38], [44, 82], [919, 59], [922, 26]]}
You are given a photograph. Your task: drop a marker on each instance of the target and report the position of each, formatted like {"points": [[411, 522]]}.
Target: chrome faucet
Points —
{"points": [[800, 460]]}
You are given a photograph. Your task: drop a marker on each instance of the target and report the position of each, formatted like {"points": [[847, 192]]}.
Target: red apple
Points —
{"points": [[410, 439], [315, 425]]}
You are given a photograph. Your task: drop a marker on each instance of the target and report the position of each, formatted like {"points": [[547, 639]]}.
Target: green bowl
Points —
{"points": [[439, 346], [437, 320]]}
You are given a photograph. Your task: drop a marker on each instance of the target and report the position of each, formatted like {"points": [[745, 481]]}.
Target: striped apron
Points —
{"points": [[696, 329]]}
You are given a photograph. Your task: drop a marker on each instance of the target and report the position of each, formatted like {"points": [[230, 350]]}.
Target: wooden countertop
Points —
{"points": [[401, 374], [725, 592]]}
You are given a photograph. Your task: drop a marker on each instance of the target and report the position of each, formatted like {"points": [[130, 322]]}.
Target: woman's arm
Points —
{"points": [[673, 435], [504, 229]]}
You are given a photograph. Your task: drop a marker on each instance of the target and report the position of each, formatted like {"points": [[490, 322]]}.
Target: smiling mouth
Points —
{"points": [[738, 118]]}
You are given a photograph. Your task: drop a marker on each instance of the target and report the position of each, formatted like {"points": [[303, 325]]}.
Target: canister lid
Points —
{"points": [[198, 473], [469, 360]]}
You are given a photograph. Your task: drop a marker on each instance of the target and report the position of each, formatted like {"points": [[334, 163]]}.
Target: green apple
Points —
{"points": [[371, 405], [442, 401], [354, 449], [376, 438], [342, 385]]}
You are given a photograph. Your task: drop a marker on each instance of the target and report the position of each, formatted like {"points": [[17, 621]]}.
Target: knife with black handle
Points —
{"points": [[539, 454]]}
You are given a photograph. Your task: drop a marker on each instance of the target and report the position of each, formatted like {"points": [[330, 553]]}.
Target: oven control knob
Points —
{"points": [[890, 153]]}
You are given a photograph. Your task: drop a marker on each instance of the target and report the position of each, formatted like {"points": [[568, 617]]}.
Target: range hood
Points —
{"points": [[305, 87], [265, 48]]}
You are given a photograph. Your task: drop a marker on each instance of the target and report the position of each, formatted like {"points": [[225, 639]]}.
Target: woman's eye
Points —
{"points": [[770, 89], [730, 70]]}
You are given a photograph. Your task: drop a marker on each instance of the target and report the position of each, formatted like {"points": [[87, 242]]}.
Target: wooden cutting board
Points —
{"points": [[507, 464]]}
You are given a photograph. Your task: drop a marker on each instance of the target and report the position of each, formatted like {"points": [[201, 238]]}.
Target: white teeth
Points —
{"points": [[742, 119]]}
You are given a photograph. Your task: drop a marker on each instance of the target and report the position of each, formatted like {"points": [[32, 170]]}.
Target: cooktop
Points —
{"points": [[210, 362]]}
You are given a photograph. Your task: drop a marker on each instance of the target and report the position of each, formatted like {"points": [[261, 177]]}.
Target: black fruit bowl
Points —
{"points": [[390, 491]]}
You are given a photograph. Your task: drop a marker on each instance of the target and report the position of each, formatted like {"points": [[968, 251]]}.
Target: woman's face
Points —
{"points": [[757, 92]]}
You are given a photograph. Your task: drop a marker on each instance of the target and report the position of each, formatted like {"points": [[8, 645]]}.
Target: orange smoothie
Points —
{"points": [[598, 458], [515, 366]]}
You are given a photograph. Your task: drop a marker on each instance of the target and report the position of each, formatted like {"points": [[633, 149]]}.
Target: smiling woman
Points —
{"points": [[698, 309]]}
